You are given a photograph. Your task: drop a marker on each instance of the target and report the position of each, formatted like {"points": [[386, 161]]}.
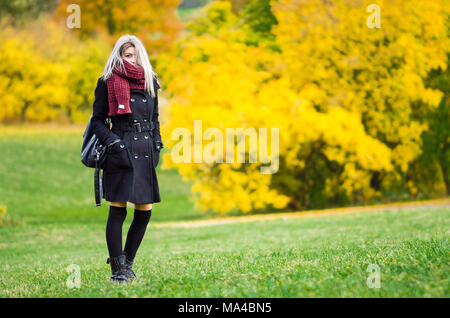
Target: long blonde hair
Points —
{"points": [[142, 59]]}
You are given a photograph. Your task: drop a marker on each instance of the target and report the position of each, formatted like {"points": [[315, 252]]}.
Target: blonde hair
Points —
{"points": [[124, 42]]}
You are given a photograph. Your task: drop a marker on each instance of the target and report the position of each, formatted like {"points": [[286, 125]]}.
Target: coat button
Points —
{"points": [[136, 156], [146, 137], [135, 138], [132, 99], [144, 100]]}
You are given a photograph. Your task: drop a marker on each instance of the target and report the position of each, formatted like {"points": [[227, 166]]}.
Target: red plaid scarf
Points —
{"points": [[119, 85]]}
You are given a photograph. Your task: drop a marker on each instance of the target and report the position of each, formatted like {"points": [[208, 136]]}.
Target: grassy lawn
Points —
{"points": [[314, 256], [42, 180], [45, 186]]}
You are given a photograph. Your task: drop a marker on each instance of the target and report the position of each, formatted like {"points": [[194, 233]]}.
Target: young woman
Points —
{"points": [[127, 93]]}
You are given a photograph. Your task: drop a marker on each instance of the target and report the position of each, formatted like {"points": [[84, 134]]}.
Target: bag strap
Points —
{"points": [[98, 185]]}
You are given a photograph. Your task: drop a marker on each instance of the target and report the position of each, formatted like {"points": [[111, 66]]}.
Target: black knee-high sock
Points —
{"points": [[114, 229], [136, 232]]}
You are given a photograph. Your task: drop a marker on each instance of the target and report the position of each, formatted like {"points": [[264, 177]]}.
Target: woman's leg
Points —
{"points": [[117, 215], [143, 207], [119, 204], [142, 215]]}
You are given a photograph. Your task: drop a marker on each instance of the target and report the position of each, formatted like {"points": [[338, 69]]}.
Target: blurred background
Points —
{"points": [[362, 111], [359, 91]]}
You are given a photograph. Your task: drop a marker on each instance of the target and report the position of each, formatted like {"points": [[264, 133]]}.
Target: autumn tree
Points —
{"points": [[349, 100], [154, 22], [47, 74], [377, 73], [31, 84], [430, 173]]}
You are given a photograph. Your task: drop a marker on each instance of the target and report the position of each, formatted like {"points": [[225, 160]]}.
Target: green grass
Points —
{"points": [[45, 186], [313, 256], [42, 180]]}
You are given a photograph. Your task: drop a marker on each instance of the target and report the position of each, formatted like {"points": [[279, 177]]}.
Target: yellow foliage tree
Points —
{"points": [[31, 84], [377, 73], [46, 73], [346, 99], [154, 22]]}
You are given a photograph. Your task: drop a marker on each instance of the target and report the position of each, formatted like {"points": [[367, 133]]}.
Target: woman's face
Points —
{"points": [[130, 55]]}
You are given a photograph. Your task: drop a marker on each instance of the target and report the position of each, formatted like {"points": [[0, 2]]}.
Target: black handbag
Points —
{"points": [[93, 155]]}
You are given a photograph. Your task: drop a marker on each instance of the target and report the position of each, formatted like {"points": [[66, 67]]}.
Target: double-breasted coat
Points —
{"points": [[129, 171]]}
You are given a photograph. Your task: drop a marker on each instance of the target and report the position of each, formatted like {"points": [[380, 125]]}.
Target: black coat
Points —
{"points": [[129, 172]]}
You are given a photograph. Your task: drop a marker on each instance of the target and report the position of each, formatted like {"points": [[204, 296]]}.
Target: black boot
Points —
{"points": [[128, 267], [118, 269]]}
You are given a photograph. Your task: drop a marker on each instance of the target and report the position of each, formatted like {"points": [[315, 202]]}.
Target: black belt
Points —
{"points": [[134, 127]]}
